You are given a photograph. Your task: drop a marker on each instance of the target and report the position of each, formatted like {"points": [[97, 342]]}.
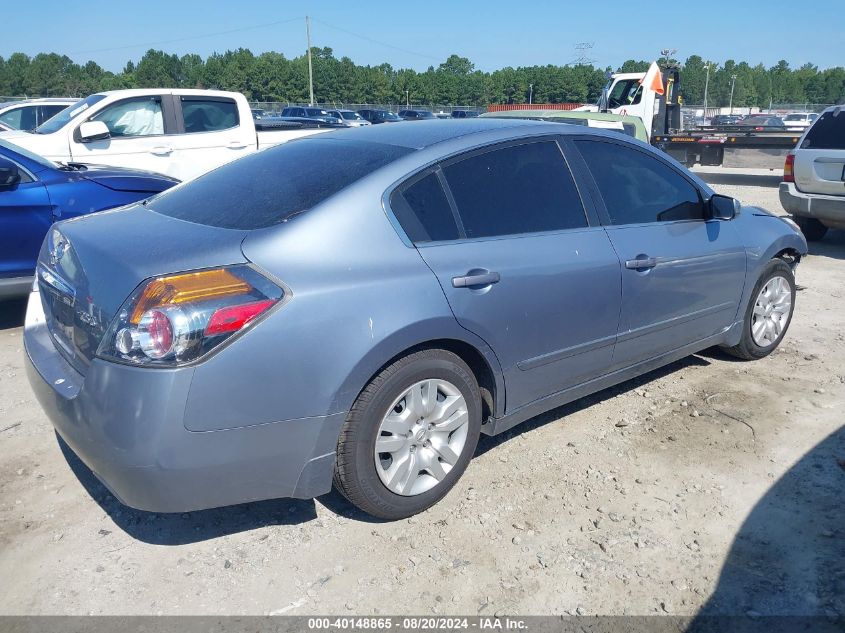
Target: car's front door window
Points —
{"points": [[637, 188], [133, 117]]}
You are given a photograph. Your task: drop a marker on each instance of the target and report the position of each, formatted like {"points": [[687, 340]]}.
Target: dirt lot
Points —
{"points": [[709, 484]]}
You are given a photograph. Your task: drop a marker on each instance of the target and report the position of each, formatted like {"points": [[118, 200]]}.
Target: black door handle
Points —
{"points": [[640, 263], [471, 281]]}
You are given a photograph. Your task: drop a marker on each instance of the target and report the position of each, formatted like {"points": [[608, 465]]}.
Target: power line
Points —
{"points": [[374, 41], [185, 39]]}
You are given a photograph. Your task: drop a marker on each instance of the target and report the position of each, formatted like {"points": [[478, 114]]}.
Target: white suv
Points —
{"points": [[813, 187]]}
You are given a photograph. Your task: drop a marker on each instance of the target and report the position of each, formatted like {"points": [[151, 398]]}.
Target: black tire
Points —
{"points": [[355, 475], [812, 229], [748, 349]]}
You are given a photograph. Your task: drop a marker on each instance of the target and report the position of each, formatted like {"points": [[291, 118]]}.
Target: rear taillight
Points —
{"points": [[789, 168], [177, 319]]}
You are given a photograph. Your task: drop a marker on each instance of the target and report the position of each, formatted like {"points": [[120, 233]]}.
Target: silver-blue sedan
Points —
{"points": [[357, 307]]}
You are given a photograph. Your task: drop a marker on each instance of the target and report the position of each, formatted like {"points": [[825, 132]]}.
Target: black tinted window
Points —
{"points": [[637, 188], [424, 212], [271, 186], [209, 115], [828, 132], [519, 189]]}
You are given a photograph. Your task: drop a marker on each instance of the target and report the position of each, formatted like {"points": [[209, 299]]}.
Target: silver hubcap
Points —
{"points": [[771, 311], [421, 437]]}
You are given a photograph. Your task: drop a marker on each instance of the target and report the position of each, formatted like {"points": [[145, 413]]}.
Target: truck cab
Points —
{"points": [[652, 96]]}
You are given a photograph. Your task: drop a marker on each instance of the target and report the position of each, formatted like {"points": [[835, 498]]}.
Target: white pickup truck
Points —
{"points": [[180, 133]]}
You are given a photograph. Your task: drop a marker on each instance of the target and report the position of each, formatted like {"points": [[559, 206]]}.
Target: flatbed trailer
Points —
{"points": [[729, 146]]}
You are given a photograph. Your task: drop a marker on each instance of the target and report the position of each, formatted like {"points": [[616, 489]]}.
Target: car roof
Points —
{"points": [[43, 101], [426, 133]]}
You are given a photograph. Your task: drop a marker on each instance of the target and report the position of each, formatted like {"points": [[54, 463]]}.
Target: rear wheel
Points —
{"points": [[812, 229], [410, 435], [769, 312]]}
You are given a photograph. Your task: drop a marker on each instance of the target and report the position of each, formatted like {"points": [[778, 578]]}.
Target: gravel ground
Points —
{"points": [[709, 485]]}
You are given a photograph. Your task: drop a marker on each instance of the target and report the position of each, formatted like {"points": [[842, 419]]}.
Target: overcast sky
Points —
{"points": [[493, 34]]}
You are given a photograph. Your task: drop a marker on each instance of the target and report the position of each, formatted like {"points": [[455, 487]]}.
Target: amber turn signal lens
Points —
{"points": [[187, 288]]}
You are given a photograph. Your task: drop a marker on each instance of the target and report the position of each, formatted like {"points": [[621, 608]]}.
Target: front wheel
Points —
{"points": [[410, 435], [769, 312]]}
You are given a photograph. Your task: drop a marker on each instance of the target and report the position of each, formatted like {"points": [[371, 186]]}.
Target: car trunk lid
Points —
{"points": [[89, 266]]}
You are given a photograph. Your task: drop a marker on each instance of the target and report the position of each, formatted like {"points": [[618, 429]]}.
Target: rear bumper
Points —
{"points": [[830, 210], [127, 425]]}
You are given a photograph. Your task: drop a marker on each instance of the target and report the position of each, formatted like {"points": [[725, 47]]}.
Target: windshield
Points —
{"points": [[20, 151], [423, 114], [388, 116], [250, 194], [62, 118], [795, 117], [625, 92], [353, 116]]}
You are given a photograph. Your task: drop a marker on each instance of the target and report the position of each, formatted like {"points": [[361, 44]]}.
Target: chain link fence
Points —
{"points": [[275, 107]]}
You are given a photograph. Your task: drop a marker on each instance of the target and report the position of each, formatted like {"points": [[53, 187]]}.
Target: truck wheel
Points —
{"points": [[812, 229], [769, 312], [410, 435]]}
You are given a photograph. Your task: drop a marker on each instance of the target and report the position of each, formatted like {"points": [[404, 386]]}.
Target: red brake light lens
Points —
{"points": [[789, 168], [176, 319], [233, 318]]}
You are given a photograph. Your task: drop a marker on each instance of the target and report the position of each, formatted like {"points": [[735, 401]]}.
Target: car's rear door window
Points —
{"points": [[828, 132], [208, 115], [638, 188], [517, 189], [424, 211]]}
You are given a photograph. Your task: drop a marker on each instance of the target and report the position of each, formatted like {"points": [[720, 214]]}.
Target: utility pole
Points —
{"points": [[310, 67], [706, 84], [407, 98], [733, 81], [530, 93]]}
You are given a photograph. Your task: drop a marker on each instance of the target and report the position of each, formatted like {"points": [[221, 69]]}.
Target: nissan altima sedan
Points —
{"points": [[252, 335]]}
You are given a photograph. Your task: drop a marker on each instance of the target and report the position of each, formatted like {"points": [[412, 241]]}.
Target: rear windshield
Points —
{"points": [[271, 186], [828, 132]]}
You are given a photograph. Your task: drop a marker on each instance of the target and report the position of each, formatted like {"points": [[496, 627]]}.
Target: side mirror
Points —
{"points": [[10, 175], [93, 131], [723, 207]]}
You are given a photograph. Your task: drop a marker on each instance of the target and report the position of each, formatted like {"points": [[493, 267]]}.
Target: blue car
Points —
{"points": [[358, 306], [35, 192]]}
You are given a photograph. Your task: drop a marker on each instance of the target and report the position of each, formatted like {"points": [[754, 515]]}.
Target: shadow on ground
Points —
{"points": [[487, 443], [741, 180], [12, 312], [833, 246], [786, 568]]}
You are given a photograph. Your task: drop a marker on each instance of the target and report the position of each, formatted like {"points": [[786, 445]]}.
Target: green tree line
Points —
{"points": [[273, 77]]}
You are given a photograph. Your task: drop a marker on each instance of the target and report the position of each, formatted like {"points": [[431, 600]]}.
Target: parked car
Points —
{"points": [[800, 119], [464, 114], [178, 132], [258, 113], [760, 121], [416, 115], [310, 113], [235, 357], [380, 116], [349, 118], [725, 119], [28, 114], [35, 192], [813, 187]]}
